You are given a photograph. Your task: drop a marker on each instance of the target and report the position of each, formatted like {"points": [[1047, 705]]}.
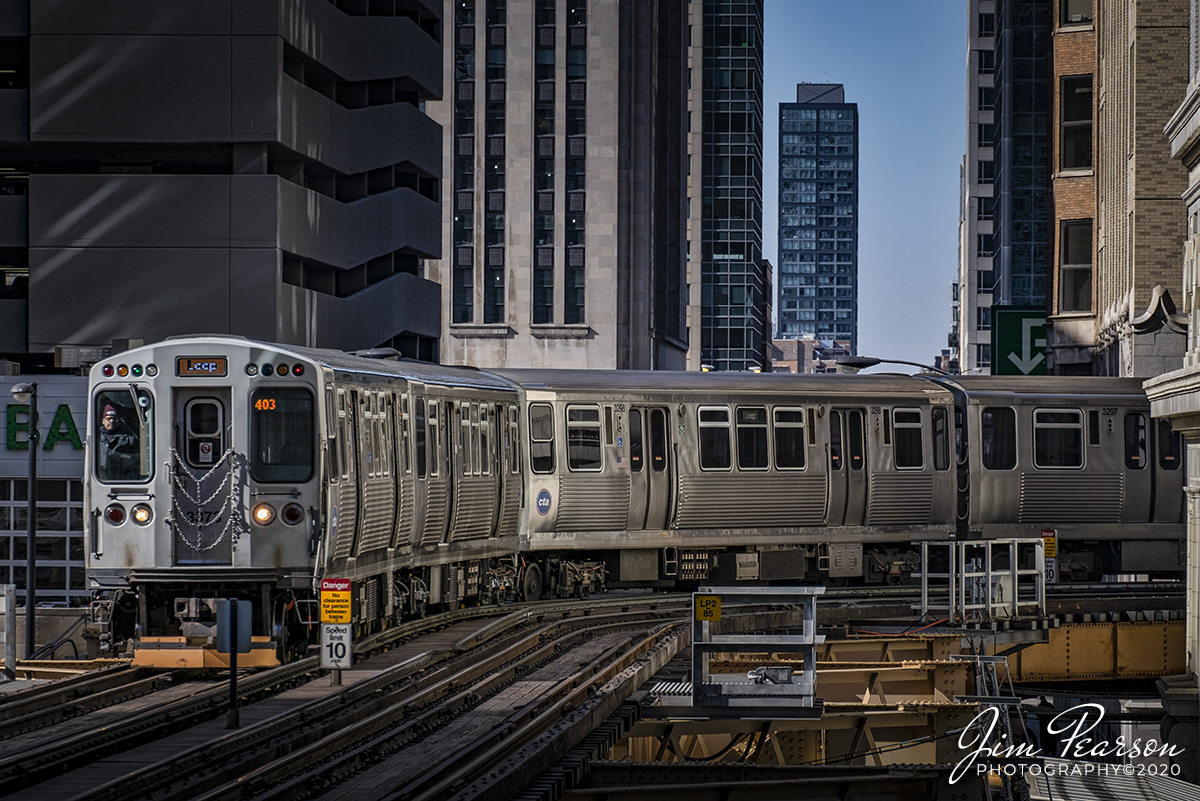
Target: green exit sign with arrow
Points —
{"points": [[1018, 340]]}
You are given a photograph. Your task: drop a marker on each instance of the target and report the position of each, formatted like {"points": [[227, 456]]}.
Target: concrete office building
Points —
{"points": [[818, 215], [563, 237], [257, 168], [729, 280]]}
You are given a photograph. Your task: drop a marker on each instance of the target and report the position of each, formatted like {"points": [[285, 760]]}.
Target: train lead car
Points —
{"points": [[219, 467]]}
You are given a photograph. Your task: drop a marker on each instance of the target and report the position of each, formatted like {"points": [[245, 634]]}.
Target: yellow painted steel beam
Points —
{"points": [[1089, 651]]}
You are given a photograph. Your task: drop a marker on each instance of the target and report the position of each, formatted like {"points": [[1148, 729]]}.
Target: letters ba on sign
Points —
{"points": [[335, 600]]}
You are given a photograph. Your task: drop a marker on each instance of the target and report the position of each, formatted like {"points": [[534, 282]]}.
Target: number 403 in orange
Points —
{"points": [[265, 404]]}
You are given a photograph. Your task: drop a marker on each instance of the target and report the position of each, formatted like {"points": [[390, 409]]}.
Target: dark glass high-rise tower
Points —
{"points": [[818, 215], [733, 317]]}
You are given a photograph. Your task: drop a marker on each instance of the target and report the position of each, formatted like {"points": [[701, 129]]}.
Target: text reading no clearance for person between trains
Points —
{"points": [[335, 600]]}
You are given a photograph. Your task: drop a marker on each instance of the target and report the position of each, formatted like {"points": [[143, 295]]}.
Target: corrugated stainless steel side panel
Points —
{"points": [[1071, 497], [347, 511], [436, 502], [899, 499], [729, 500], [405, 521], [510, 520], [378, 505], [473, 508], [592, 503]]}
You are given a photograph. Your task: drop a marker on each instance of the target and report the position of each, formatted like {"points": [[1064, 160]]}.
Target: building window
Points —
{"points": [[987, 25], [983, 319], [60, 557], [1075, 267], [987, 172], [987, 98], [1076, 114], [983, 246], [1075, 12], [987, 61]]}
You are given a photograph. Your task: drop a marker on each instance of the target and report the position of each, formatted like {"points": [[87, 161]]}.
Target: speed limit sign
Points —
{"points": [[335, 646]]}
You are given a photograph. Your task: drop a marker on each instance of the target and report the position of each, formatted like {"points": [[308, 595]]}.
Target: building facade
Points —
{"points": [[818, 215], [263, 169], [563, 234], [729, 280]]}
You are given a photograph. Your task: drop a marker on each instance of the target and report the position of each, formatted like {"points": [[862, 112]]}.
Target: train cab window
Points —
{"points": [[941, 438], [635, 440], [419, 435], [583, 438], [541, 438], [281, 435], [789, 439], [998, 438], [1135, 441], [1170, 447], [752, 438], [658, 440], [907, 450], [1057, 438], [123, 436], [714, 438]]}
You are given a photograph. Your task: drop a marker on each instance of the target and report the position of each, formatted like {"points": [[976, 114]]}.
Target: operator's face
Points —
{"points": [[109, 422]]}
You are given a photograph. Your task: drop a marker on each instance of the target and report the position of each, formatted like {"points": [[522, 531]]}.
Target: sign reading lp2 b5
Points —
{"points": [[708, 607]]}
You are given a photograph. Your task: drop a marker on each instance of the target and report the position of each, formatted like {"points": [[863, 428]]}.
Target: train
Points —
{"points": [[220, 467]]}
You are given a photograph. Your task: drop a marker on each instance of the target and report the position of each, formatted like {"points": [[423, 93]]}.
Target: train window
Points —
{"points": [[835, 440], [485, 465], [583, 438], [402, 439], [789, 439], [541, 438], [1057, 438], [855, 439], [514, 438], [1093, 427], [635, 441], [203, 428], [335, 471], [435, 440], [941, 438], [1135, 441], [907, 450], [1170, 449], [281, 435], [752, 438], [419, 434], [465, 426], [123, 435], [714, 438], [998, 438], [658, 440]]}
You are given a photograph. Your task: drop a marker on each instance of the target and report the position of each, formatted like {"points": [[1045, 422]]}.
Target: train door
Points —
{"points": [[208, 480], [430, 445], [649, 468], [847, 467]]}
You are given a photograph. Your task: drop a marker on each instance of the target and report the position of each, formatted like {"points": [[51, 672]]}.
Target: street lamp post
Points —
{"points": [[27, 393], [852, 364]]}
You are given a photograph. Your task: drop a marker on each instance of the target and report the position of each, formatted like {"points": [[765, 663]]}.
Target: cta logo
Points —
{"points": [[543, 502]]}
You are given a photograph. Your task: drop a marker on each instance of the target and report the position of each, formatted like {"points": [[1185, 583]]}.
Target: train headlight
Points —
{"points": [[142, 514], [263, 514], [115, 514], [293, 514]]}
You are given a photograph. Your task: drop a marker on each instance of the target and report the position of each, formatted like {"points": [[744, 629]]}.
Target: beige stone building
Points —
{"points": [[563, 214]]}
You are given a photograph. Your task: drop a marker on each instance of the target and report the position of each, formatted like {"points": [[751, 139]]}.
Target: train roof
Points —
{"points": [[680, 381], [1032, 386]]}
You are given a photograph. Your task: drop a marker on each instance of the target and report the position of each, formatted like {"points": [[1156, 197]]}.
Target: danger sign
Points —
{"points": [[335, 600]]}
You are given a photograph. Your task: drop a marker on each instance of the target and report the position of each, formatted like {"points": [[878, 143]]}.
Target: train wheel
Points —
{"points": [[531, 583]]}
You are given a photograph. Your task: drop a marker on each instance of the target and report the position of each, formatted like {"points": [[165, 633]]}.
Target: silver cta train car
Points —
{"points": [[219, 467]]}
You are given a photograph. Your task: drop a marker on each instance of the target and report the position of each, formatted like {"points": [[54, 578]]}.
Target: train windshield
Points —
{"points": [[281, 435], [123, 435]]}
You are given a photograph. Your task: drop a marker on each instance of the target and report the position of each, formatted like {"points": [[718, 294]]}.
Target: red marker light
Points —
{"points": [[108, 371], [298, 369]]}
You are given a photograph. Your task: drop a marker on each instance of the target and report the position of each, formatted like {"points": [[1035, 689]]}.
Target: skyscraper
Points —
{"points": [[727, 274], [818, 215], [563, 230]]}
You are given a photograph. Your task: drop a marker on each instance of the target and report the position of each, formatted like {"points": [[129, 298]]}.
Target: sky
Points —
{"points": [[904, 64]]}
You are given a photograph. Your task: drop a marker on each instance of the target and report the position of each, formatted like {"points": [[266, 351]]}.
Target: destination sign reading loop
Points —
{"points": [[201, 367]]}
